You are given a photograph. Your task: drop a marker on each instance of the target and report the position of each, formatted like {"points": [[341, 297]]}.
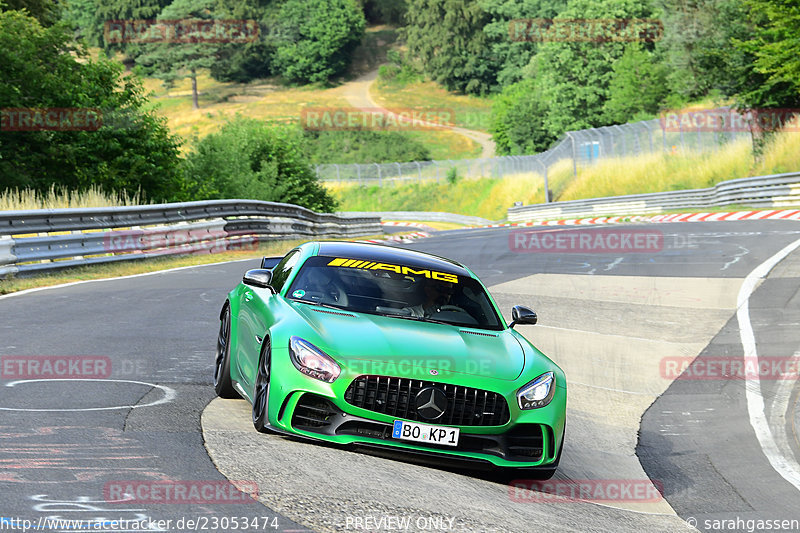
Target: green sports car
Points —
{"points": [[372, 345]]}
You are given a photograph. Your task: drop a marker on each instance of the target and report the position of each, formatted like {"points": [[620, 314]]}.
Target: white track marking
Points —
{"points": [[787, 467], [169, 395], [742, 252], [780, 407]]}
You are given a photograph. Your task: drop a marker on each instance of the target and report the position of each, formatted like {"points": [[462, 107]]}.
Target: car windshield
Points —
{"points": [[403, 292]]}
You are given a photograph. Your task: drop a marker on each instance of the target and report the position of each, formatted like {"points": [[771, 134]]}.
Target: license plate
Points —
{"points": [[424, 433]]}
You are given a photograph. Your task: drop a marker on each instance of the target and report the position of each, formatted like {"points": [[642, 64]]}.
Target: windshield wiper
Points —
{"points": [[320, 304]]}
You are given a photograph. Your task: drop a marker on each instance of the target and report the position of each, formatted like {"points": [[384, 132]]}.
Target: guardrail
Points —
{"points": [[779, 190], [51, 239]]}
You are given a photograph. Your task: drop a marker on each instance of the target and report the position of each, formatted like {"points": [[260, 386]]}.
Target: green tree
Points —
{"points": [[638, 86], [133, 151], [774, 48], [384, 11], [447, 37], [81, 15], [697, 46], [518, 120], [243, 62], [171, 61], [320, 37], [96, 20], [573, 76], [47, 12], [249, 159], [506, 38]]}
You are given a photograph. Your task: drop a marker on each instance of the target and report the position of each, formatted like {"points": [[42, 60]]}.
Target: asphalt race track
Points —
{"points": [[625, 324]]}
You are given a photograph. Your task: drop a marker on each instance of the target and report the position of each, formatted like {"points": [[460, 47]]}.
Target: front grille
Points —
{"points": [[396, 397]]}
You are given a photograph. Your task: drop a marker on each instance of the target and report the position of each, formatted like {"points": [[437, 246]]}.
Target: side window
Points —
{"points": [[283, 269]]}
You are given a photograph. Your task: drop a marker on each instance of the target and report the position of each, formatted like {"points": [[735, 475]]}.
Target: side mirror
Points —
{"points": [[522, 315], [268, 263], [258, 277]]}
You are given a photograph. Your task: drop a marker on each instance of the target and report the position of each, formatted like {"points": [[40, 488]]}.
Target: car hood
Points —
{"points": [[374, 344]]}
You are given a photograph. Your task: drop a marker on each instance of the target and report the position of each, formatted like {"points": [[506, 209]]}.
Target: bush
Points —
{"points": [[363, 146], [399, 70], [518, 120], [249, 159], [452, 175]]}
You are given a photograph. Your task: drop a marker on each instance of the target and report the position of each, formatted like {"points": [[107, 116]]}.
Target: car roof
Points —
{"points": [[391, 255]]}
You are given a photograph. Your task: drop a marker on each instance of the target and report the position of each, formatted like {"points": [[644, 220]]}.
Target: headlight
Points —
{"points": [[312, 361], [538, 392]]}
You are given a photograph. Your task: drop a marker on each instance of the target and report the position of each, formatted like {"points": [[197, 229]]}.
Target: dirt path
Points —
{"points": [[357, 94]]}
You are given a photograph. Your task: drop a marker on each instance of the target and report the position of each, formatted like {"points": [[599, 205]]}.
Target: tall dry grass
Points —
{"points": [[24, 199], [490, 198]]}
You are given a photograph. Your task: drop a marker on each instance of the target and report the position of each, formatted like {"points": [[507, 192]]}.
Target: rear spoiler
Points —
{"points": [[269, 263]]}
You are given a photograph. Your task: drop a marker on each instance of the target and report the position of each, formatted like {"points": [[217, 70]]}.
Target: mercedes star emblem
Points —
{"points": [[431, 403]]}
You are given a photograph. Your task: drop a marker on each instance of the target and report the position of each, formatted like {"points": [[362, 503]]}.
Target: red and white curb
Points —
{"points": [[409, 237], [408, 224], [781, 214]]}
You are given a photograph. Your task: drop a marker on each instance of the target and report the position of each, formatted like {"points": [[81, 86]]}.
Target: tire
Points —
{"points": [[222, 362], [261, 390]]}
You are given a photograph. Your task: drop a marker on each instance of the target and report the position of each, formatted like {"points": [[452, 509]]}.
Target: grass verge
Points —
{"points": [[484, 197]]}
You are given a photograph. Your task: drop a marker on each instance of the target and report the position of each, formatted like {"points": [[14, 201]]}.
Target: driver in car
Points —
{"points": [[437, 295], [322, 284]]}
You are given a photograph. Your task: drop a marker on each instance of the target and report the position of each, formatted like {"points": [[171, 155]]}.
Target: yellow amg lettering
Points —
{"points": [[441, 276], [369, 265], [385, 266], [426, 273]]}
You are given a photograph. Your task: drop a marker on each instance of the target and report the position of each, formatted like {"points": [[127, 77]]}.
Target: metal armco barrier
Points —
{"points": [[779, 190], [52, 239]]}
